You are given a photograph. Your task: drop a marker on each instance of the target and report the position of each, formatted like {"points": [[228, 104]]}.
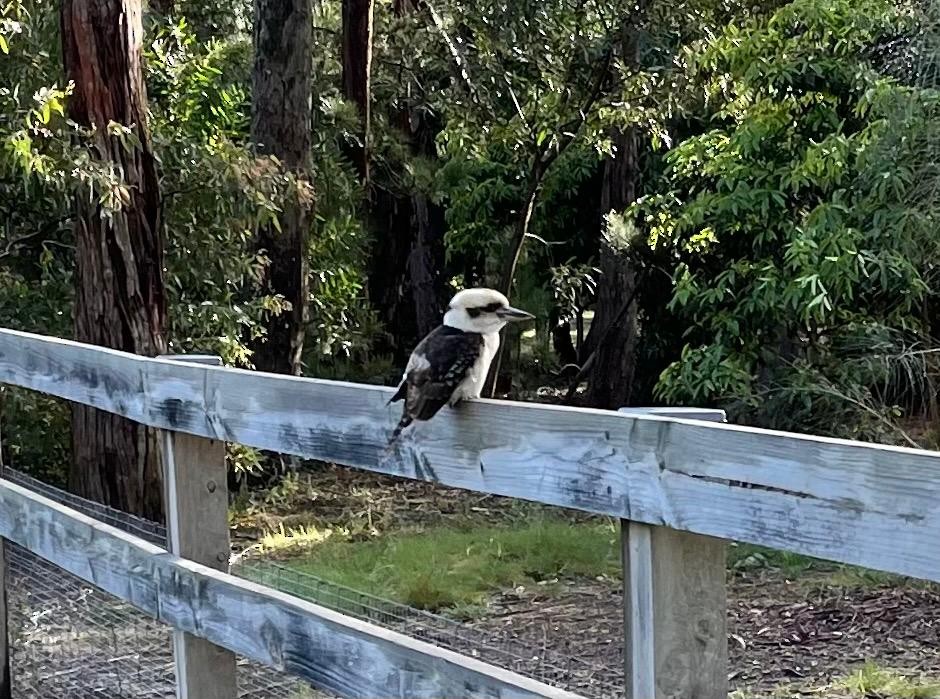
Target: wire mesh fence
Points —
{"points": [[540, 662], [71, 640]]}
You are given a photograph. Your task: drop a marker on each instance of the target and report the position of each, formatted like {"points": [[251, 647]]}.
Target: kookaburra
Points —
{"points": [[451, 363]]}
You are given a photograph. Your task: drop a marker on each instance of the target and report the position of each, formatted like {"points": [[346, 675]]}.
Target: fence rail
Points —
{"points": [[834, 499], [844, 501], [330, 650]]}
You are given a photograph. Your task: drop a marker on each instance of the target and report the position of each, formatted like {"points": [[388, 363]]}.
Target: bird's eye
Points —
{"points": [[474, 312]]}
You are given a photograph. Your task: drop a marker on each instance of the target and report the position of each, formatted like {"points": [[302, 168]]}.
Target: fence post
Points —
{"points": [[196, 485], [674, 603], [6, 678]]}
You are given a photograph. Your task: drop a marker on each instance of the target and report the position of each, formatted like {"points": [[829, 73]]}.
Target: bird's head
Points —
{"points": [[482, 311]]}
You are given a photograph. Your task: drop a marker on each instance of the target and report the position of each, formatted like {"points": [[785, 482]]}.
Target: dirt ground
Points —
{"points": [[787, 637]]}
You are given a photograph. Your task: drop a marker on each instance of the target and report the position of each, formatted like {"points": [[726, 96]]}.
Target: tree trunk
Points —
{"points": [[406, 281], [615, 325], [119, 293], [280, 126], [611, 376], [425, 263], [428, 255], [357, 76], [388, 277]]}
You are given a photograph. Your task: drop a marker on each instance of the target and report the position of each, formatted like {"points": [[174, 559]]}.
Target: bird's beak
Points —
{"points": [[514, 314]]}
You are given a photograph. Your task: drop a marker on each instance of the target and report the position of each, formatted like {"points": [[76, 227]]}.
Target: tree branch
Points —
{"points": [[45, 230], [459, 61], [573, 386]]}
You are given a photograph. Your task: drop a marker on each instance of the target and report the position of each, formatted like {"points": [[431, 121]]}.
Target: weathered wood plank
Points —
{"points": [[196, 502], [6, 684], [639, 631], [690, 615], [336, 653], [675, 604], [845, 501], [6, 679]]}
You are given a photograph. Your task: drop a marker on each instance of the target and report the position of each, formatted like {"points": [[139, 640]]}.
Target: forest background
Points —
{"points": [[705, 202]]}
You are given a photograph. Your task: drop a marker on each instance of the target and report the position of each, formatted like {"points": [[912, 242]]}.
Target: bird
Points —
{"points": [[452, 361]]}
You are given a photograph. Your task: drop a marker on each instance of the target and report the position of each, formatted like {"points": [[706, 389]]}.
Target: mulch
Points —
{"points": [[802, 635], [786, 639]]}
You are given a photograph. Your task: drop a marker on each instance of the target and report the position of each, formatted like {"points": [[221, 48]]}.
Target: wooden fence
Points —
{"points": [[682, 486]]}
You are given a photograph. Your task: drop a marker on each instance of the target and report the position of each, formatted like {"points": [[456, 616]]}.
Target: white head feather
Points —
{"points": [[483, 311]]}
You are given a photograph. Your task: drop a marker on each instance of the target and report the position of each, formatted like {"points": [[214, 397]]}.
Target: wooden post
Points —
{"points": [[197, 529], [674, 604], [6, 678]]}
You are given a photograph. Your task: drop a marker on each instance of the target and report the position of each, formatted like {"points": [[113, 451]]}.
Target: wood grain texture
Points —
{"points": [[196, 505], [675, 604], [845, 501], [6, 679], [333, 652], [119, 295], [197, 529], [6, 684], [690, 615], [639, 627]]}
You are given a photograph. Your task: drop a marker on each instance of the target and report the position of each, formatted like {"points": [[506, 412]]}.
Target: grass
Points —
{"points": [[812, 571], [458, 569], [747, 557], [872, 681], [302, 536]]}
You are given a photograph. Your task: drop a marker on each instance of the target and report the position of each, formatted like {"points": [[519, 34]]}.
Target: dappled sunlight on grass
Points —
{"points": [[452, 568]]}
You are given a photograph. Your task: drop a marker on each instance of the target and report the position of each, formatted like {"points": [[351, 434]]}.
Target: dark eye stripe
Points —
{"points": [[489, 308]]}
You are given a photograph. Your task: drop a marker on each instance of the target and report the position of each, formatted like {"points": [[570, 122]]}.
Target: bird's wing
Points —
{"points": [[437, 366], [415, 360]]}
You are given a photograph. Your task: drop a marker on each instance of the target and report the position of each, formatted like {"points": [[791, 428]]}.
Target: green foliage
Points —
{"points": [[217, 193], [798, 241], [35, 429], [788, 165], [574, 287]]}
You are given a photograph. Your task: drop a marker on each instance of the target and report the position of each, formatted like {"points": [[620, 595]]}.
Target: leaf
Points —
{"points": [[4, 46]]}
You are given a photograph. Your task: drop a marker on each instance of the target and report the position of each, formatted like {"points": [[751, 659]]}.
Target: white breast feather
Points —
{"points": [[471, 387]]}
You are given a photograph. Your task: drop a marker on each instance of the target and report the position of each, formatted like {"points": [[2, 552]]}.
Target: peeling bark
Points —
{"points": [[119, 290]]}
